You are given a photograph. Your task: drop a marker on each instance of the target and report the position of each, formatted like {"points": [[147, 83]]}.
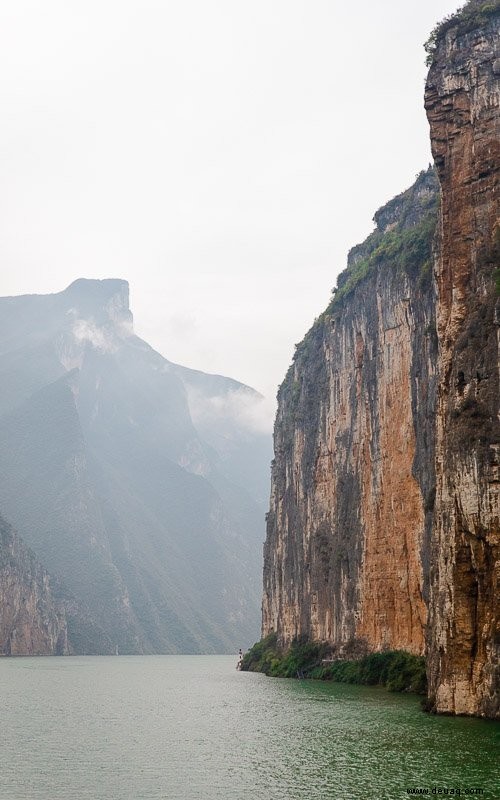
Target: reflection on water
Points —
{"points": [[189, 727]]}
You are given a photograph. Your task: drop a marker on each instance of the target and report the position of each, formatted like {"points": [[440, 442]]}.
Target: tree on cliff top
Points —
{"points": [[470, 16]]}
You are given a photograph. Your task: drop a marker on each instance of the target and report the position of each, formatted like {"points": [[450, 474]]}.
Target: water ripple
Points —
{"points": [[192, 728]]}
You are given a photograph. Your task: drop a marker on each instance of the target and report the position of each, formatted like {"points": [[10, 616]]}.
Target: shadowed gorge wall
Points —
{"points": [[32, 622]]}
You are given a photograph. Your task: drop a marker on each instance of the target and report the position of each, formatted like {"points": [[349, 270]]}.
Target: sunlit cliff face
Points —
{"points": [[384, 518], [349, 524]]}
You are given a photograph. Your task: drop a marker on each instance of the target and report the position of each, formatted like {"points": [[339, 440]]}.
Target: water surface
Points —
{"points": [[192, 727]]}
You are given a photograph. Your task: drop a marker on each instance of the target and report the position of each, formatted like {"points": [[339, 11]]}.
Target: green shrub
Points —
{"points": [[404, 248], [261, 655], [397, 670], [300, 658], [472, 15]]}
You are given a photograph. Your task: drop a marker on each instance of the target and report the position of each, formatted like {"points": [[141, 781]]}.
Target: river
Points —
{"points": [[194, 728]]}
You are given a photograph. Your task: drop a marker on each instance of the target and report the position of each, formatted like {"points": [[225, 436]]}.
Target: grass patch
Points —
{"points": [[397, 670]]}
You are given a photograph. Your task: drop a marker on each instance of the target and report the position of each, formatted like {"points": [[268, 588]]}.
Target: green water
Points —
{"points": [[189, 727]]}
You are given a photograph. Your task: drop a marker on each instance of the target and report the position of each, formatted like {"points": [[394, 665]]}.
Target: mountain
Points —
{"points": [[145, 520], [384, 526]]}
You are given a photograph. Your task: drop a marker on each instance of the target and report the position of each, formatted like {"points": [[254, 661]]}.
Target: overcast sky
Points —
{"points": [[222, 156]]}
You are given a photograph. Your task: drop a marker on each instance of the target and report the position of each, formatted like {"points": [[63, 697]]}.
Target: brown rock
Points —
{"points": [[350, 517], [385, 489], [462, 101]]}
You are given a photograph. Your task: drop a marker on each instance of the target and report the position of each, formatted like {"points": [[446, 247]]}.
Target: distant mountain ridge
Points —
{"points": [[139, 484]]}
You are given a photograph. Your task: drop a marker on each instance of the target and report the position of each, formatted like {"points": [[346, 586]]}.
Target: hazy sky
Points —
{"points": [[222, 156]]}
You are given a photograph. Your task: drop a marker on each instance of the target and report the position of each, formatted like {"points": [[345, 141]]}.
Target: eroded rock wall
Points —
{"points": [[31, 621], [348, 534], [385, 485], [463, 106]]}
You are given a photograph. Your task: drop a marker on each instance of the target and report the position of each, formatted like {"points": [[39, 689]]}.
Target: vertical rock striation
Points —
{"points": [[462, 101], [352, 481], [384, 524], [31, 621]]}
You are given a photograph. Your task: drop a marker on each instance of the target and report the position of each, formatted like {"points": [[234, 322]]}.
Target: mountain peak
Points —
{"points": [[99, 291], [102, 301]]}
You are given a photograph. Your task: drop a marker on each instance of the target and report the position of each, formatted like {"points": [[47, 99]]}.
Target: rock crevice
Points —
{"points": [[383, 531], [463, 106]]}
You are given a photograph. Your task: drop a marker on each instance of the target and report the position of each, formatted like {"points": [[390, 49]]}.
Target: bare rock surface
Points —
{"points": [[32, 621]]}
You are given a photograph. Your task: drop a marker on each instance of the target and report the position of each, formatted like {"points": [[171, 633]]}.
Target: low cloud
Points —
{"points": [[87, 331], [238, 408]]}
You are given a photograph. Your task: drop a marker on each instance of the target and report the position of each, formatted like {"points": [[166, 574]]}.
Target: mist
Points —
{"points": [[222, 158]]}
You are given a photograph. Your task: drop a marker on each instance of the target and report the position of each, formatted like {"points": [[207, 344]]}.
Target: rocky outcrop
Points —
{"points": [[32, 622], [352, 481], [462, 100]]}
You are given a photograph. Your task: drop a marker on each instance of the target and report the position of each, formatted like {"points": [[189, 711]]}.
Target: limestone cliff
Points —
{"points": [[384, 529], [31, 621], [462, 101], [352, 482]]}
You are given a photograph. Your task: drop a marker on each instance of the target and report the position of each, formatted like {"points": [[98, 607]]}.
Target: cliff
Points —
{"points": [[383, 530], [32, 622], [352, 481], [462, 99]]}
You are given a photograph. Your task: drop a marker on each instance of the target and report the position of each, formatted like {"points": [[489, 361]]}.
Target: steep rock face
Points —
{"points": [[347, 546], [462, 102], [32, 622]]}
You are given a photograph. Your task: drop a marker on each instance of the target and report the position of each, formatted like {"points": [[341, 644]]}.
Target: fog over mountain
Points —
{"points": [[140, 485]]}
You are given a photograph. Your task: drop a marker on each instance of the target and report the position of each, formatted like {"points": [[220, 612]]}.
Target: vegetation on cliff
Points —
{"points": [[397, 670], [386, 437], [401, 241], [474, 14]]}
